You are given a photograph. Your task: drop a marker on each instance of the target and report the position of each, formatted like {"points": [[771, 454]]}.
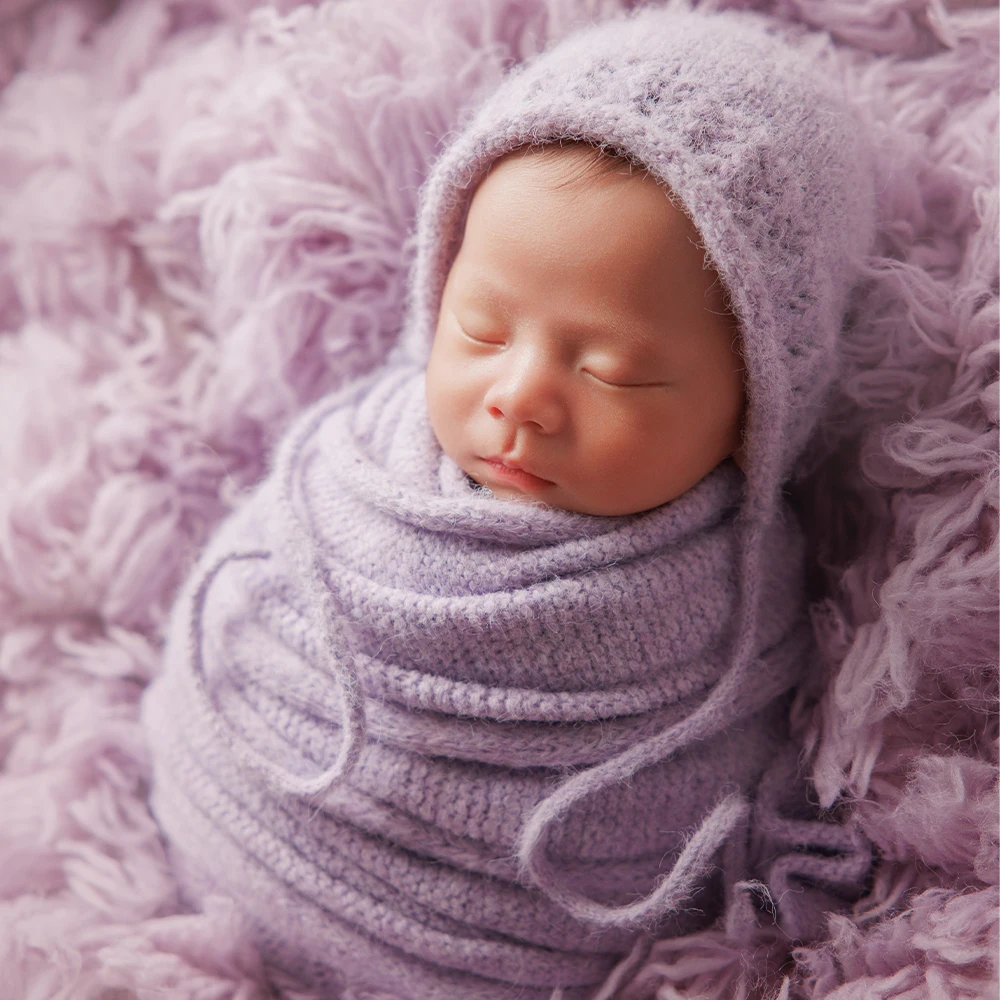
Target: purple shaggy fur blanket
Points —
{"points": [[204, 213]]}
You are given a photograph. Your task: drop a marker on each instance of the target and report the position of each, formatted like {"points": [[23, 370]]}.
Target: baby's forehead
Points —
{"points": [[554, 191], [573, 223]]}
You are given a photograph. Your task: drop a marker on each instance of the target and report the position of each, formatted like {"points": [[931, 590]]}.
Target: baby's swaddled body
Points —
{"points": [[500, 647], [442, 742]]}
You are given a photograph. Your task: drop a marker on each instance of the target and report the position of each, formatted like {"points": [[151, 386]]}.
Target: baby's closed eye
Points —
{"points": [[623, 381], [491, 337]]}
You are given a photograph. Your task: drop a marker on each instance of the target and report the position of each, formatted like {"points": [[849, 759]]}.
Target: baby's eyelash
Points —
{"points": [[623, 385], [491, 341]]}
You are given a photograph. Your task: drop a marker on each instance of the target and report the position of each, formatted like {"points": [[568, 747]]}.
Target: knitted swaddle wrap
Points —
{"points": [[499, 646], [454, 747]]}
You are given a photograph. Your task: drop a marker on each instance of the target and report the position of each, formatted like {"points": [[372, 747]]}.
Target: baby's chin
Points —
{"points": [[501, 492], [560, 498], [551, 496], [580, 498], [554, 499]]}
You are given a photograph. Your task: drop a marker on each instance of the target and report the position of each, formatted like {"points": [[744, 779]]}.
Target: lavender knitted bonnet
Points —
{"points": [[397, 718], [765, 157]]}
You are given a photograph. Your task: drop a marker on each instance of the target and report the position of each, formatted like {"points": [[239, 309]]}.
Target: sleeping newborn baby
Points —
{"points": [[479, 686]]}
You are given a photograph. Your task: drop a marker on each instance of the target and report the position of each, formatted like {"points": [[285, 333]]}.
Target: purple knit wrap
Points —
{"points": [[456, 747], [499, 647]]}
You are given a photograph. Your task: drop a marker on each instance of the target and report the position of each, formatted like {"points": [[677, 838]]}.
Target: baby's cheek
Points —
{"points": [[450, 402], [616, 439], [439, 402]]}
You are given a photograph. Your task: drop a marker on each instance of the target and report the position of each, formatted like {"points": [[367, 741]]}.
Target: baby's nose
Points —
{"points": [[528, 391]]}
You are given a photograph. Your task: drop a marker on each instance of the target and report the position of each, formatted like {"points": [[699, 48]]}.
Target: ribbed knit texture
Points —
{"points": [[499, 646], [450, 746]]}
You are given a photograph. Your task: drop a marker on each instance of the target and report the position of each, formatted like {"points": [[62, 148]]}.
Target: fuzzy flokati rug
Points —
{"points": [[204, 213]]}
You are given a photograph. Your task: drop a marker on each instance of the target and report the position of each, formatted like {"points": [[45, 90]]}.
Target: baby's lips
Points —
{"points": [[513, 474]]}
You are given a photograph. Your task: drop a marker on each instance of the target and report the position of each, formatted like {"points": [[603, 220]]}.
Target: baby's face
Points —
{"points": [[583, 355]]}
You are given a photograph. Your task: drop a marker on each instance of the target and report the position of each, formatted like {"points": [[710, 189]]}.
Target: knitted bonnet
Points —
{"points": [[762, 153], [773, 168]]}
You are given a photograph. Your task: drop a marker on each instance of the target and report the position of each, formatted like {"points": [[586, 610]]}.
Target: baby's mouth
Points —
{"points": [[505, 472]]}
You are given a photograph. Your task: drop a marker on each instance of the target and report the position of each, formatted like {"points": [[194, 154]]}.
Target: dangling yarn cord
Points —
{"points": [[697, 857], [338, 661]]}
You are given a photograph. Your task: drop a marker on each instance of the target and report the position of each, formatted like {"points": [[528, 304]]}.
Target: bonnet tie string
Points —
{"points": [[337, 659], [714, 714]]}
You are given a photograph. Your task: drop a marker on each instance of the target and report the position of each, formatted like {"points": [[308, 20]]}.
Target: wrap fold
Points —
{"points": [[432, 738]]}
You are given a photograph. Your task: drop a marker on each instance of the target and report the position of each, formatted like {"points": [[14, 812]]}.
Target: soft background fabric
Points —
{"points": [[187, 184]]}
